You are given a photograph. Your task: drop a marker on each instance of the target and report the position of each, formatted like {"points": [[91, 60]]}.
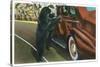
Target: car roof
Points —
{"points": [[87, 15]]}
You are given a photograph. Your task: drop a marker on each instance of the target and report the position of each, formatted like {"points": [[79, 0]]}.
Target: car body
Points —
{"points": [[81, 24]]}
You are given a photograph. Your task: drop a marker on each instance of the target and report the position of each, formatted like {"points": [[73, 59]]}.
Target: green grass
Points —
{"points": [[52, 55], [23, 53]]}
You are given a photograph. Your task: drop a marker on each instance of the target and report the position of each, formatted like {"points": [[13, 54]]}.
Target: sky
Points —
{"points": [[91, 8]]}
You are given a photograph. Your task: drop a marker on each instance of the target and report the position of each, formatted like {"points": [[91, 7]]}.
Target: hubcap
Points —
{"points": [[72, 49]]}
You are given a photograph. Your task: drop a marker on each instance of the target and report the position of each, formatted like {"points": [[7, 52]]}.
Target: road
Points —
{"points": [[23, 51]]}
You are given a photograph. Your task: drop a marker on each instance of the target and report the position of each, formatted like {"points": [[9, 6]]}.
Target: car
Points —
{"points": [[76, 31]]}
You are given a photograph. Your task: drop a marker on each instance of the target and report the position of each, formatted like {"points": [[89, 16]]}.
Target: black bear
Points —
{"points": [[46, 23]]}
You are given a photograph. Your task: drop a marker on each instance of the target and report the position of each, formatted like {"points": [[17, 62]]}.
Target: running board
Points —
{"points": [[58, 43]]}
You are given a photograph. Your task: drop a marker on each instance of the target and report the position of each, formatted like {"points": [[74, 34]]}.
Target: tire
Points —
{"points": [[72, 48]]}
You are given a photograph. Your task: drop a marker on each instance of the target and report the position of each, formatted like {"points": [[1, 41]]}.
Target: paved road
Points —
{"points": [[23, 52]]}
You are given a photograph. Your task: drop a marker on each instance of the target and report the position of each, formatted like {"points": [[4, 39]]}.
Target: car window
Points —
{"points": [[65, 11], [69, 11], [73, 12]]}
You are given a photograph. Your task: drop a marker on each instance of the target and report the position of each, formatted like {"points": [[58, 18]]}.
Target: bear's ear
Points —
{"points": [[51, 6]]}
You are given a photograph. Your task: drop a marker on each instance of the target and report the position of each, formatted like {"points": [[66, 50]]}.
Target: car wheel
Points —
{"points": [[72, 49]]}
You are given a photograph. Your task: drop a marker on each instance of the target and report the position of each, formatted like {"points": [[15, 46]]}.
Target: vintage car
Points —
{"points": [[76, 31]]}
